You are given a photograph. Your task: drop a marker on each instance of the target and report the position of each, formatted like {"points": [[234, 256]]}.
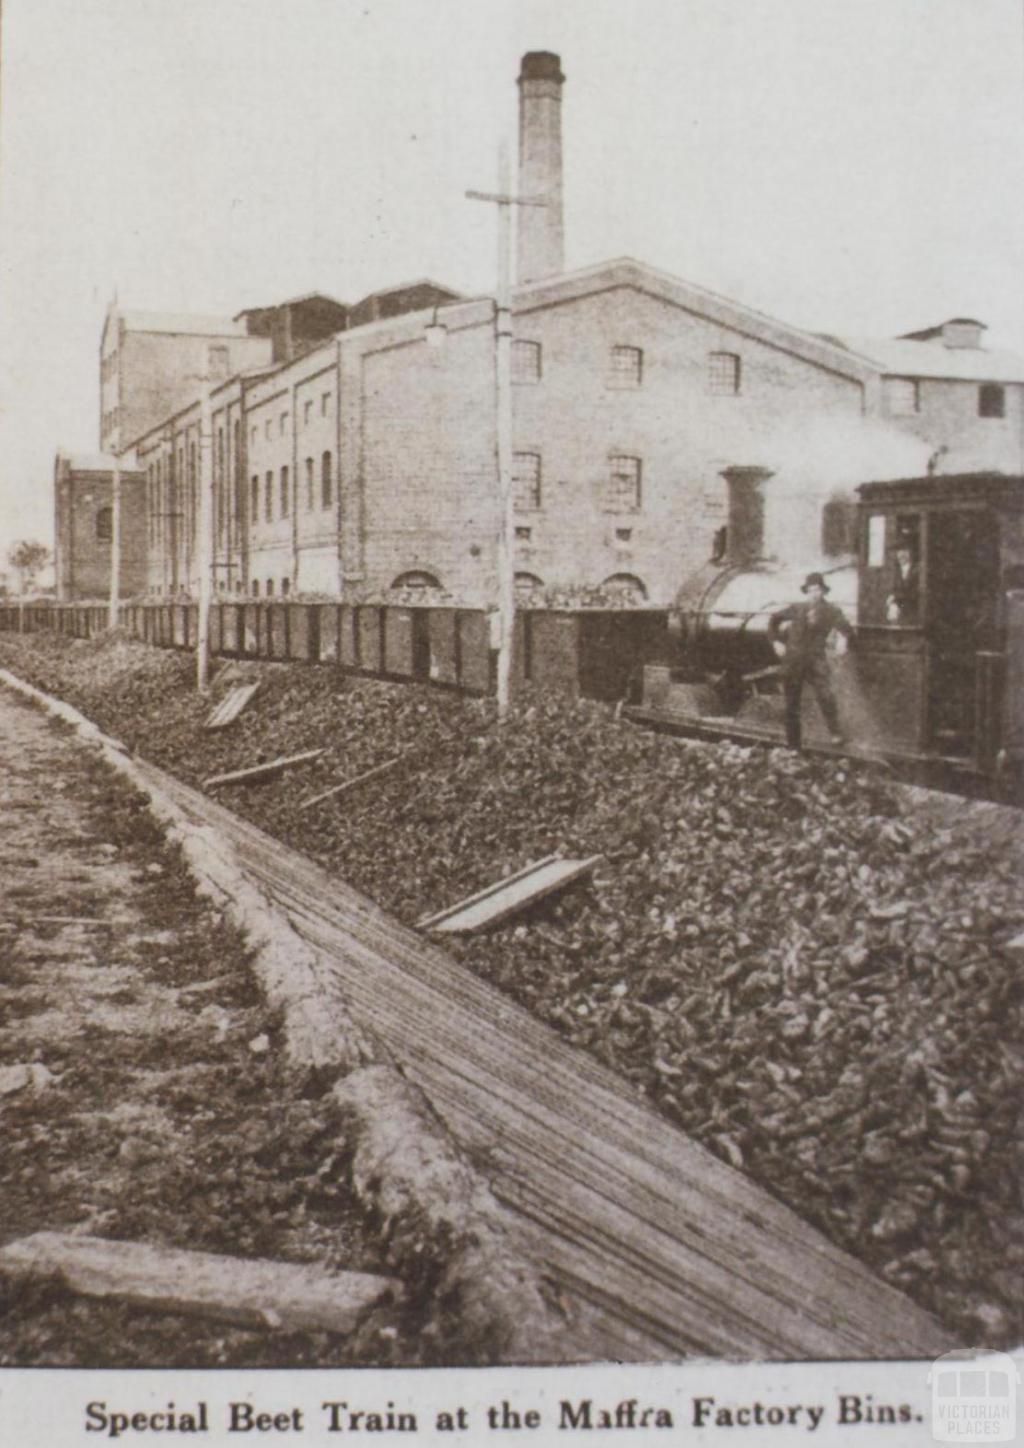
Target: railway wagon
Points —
{"points": [[934, 684]]}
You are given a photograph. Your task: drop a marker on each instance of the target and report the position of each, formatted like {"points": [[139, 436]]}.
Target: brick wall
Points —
{"points": [[83, 557]]}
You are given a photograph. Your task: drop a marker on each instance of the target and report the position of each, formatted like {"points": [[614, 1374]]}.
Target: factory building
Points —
{"points": [[84, 527], [656, 425]]}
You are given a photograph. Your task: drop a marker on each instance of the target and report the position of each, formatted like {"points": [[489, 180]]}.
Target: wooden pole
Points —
{"points": [[115, 540], [503, 386], [205, 540]]}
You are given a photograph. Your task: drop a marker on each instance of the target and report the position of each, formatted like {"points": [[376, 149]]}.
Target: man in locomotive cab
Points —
{"points": [[904, 601], [799, 635]]}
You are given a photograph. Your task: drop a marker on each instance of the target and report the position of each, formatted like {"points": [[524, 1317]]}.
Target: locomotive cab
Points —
{"points": [[940, 614]]}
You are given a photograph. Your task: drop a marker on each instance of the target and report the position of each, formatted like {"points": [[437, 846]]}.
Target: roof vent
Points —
{"points": [[957, 332]]}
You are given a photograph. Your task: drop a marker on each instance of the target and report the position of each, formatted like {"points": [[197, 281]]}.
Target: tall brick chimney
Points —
{"points": [[539, 236]]}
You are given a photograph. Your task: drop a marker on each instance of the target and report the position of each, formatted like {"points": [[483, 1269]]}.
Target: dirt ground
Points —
{"points": [[140, 1090]]}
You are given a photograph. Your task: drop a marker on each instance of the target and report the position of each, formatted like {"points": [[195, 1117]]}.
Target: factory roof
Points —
{"points": [[187, 323], [904, 357]]}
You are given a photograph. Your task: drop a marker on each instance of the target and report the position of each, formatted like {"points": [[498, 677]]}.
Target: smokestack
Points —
{"points": [[539, 238]]}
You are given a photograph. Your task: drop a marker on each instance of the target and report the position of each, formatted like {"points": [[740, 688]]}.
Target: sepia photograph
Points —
{"points": [[511, 719]]}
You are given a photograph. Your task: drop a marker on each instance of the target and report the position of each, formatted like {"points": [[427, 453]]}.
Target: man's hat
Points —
{"points": [[814, 580]]}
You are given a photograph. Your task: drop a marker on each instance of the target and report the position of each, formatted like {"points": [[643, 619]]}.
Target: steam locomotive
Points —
{"points": [[935, 683]]}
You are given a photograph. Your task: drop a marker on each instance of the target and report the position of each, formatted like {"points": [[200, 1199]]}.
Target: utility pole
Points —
{"points": [[115, 535], [504, 201], [205, 539]]}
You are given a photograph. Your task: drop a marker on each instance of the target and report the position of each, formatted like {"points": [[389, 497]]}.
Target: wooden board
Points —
{"points": [[502, 899], [662, 1249], [257, 1293], [262, 771], [229, 708]]}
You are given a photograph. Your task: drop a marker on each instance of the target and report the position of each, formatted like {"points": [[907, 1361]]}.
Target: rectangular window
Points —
{"points": [[627, 367], [622, 489], [525, 361], [325, 403], [219, 362], [526, 482], [284, 493], [310, 485], [902, 396], [876, 540], [523, 535], [326, 481], [254, 499], [991, 400], [723, 373], [268, 497], [307, 411], [284, 424]]}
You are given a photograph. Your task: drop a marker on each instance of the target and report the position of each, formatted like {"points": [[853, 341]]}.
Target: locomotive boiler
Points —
{"points": [[935, 682]]}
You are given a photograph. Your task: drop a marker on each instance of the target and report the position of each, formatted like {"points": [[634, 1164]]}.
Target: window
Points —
{"points": [[525, 361], [526, 482], [219, 361], [527, 586], [255, 588], [523, 535], [268, 427], [839, 527], [268, 497], [253, 436], [284, 423], [902, 396], [326, 481], [623, 535], [627, 367], [286, 586], [105, 525], [307, 411], [220, 452], [418, 581], [622, 490], [284, 493], [325, 403], [310, 485], [876, 540], [254, 499], [625, 586], [270, 588], [991, 400], [723, 373]]}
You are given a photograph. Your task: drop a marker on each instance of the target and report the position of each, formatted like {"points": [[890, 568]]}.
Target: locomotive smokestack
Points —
{"points": [[539, 235]]}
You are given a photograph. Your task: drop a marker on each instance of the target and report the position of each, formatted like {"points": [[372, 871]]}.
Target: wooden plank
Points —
{"points": [[665, 1250], [262, 771], [255, 1293], [229, 708], [351, 783], [505, 897]]}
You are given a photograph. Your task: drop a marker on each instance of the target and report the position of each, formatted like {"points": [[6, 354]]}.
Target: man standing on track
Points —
{"points": [[808, 626]]}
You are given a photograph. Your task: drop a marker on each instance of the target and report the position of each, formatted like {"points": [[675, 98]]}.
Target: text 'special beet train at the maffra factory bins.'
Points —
{"points": [[934, 684]]}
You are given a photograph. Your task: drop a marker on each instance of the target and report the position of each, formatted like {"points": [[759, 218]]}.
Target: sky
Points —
{"points": [[853, 168]]}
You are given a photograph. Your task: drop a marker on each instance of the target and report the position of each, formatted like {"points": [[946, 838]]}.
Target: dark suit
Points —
{"points": [[805, 663], [905, 593]]}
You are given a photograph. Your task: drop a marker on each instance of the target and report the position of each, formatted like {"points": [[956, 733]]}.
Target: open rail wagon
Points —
{"points": [[935, 682]]}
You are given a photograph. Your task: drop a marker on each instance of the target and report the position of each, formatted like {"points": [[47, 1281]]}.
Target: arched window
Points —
{"points": [[255, 587], [528, 585], [417, 580], [105, 525], [625, 586], [286, 586], [270, 588], [326, 481]]}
